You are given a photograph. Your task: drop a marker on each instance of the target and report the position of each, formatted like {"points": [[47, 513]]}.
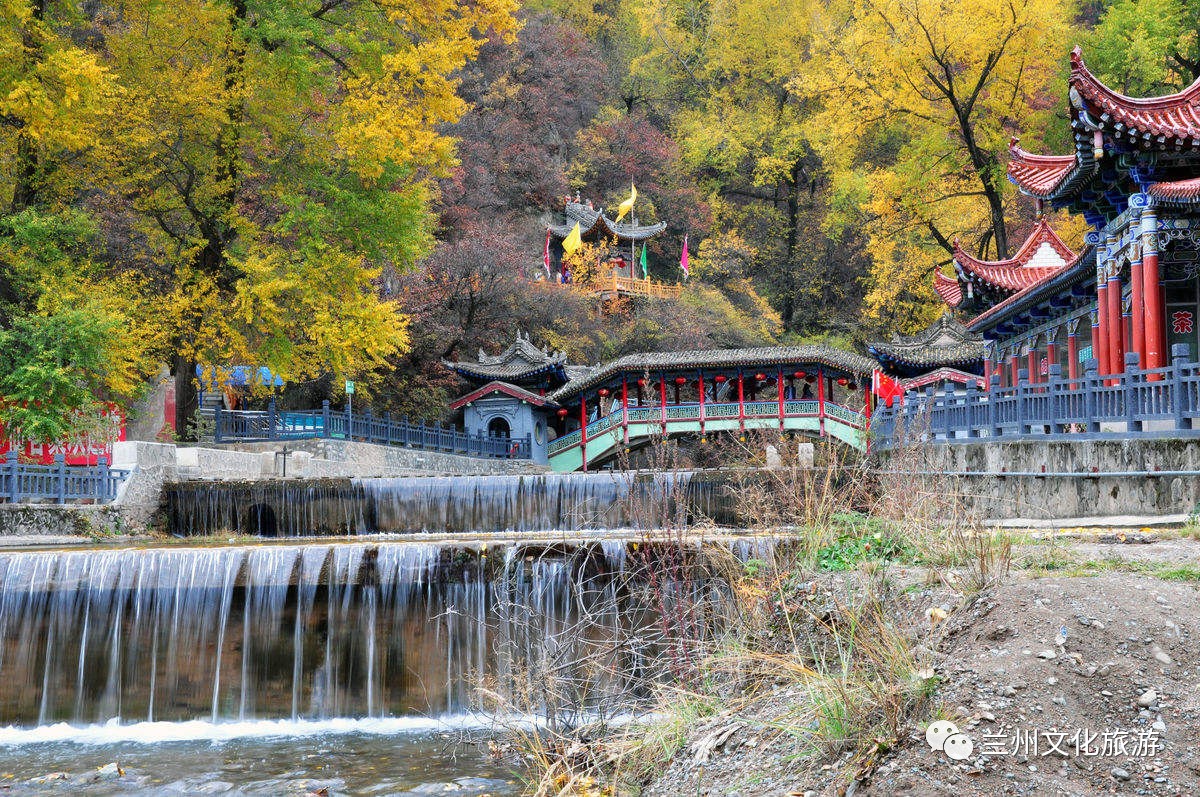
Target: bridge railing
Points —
{"points": [[59, 482], [1159, 402], [255, 426], [750, 410]]}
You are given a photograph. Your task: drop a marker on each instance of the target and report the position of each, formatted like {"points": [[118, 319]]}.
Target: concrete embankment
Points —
{"points": [[1066, 483]]}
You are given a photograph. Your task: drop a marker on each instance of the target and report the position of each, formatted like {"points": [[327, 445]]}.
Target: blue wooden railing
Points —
{"points": [[252, 426], [59, 482], [1159, 402]]}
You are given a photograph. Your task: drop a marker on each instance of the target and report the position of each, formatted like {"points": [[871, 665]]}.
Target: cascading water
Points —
{"points": [[541, 502], [298, 632], [291, 668]]}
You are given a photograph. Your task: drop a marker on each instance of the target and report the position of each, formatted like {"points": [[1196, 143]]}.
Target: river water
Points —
{"points": [[365, 667]]}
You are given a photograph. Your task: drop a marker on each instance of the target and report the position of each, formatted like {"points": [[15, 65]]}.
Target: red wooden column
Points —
{"points": [[1100, 328], [1116, 351], [1127, 329], [821, 400], [583, 430], [700, 390], [741, 402], [1137, 319], [1152, 296], [625, 408], [779, 390], [1014, 365], [1032, 361], [662, 400], [1051, 350], [1073, 351]]}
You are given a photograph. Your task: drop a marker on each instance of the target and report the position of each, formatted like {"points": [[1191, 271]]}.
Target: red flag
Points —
{"points": [[546, 256], [683, 258], [885, 387]]}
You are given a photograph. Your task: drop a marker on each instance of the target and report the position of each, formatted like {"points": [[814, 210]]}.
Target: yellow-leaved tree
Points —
{"points": [[918, 101], [277, 161]]}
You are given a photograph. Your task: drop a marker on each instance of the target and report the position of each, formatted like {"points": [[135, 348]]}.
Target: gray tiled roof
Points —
{"points": [[944, 342], [835, 359], [591, 220], [519, 359]]}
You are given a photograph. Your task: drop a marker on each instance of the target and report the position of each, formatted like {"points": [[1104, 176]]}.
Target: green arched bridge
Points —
{"points": [[635, 426], [642, 397]]}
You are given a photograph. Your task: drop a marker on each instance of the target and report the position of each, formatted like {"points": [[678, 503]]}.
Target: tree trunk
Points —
{"points": [[28, 166], [213, 226], [186, 397], [984, 164], [793, 236]]}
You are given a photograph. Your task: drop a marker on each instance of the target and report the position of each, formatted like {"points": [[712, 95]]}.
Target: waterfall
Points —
{"points": [[459, 504], [295, 632]]}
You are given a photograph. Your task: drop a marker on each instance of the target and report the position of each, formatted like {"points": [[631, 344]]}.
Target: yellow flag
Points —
{"points": [[573, 240], [626, 206]]}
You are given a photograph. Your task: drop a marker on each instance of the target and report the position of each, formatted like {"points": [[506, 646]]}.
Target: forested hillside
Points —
{"points": [[340, 189]]}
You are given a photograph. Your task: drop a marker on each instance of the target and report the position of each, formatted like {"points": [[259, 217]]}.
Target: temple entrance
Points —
{"points": [[498, 427]]}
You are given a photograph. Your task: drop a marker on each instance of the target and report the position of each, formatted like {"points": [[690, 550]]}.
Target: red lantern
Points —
{"points": [[761, 377], [641, 383], [603, 392], [681, 380], [562, 413], [799, 374], [843, 381], [720, 379]]}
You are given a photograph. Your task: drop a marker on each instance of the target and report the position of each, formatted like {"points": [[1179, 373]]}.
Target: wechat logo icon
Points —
{"points": [[945, 736]]}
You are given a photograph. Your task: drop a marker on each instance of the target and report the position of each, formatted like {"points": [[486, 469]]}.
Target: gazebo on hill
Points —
{"points": [[620, 277]]}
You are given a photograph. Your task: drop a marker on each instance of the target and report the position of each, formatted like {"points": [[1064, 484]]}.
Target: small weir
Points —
{"points": [[457, 504], [314, 632]]}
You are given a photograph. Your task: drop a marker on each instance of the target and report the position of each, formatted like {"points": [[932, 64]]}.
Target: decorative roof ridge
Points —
{"points": [[947, 288], [590, 218], [1042, 175], [944, 373], [944, 342], [1169, 116], [1093, 88], [945, 325], [521, 347], [1017, 152], [1042, 233], [1177, 191]]}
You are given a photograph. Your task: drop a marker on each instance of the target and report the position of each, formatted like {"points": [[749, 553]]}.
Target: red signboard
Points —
{"points": [[77, 450]]}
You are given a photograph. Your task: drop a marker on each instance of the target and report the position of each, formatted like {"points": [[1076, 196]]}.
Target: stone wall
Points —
{"points": [[1071, 483], [333, 458]]}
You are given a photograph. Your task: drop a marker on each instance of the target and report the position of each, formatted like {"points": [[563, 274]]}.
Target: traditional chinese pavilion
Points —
{"points": [[508, 395], [945, 351], [595, 226], [1132, 292]]}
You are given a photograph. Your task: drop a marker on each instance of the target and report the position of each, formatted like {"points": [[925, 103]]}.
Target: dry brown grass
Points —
{"points": [[829, 665]]}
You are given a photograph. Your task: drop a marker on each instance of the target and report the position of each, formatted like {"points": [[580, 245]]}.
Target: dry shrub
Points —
{"points": [[774, 487]]}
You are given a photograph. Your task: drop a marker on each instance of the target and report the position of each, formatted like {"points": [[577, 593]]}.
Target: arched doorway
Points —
{"points": [[498, 427]]}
